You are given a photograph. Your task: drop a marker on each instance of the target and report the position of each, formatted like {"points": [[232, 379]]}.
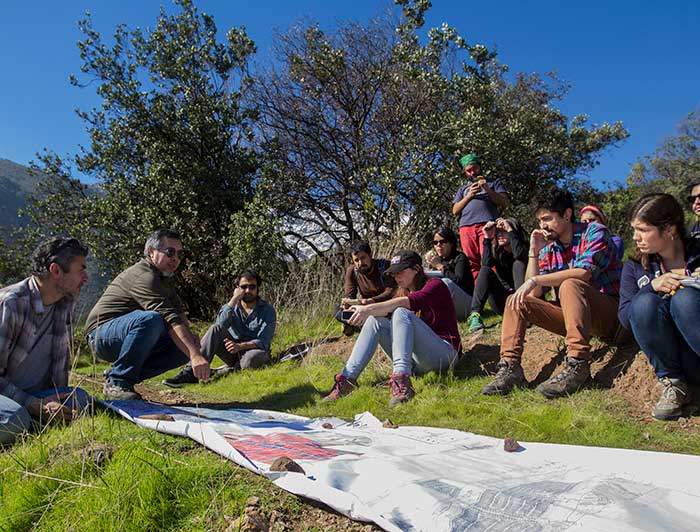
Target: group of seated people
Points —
{"points": [[568, 279], [138, 324], [412, 312]]}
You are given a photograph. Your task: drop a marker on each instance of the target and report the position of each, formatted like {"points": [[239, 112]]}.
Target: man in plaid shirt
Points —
{"points": [[35, 334], [579, 262]]}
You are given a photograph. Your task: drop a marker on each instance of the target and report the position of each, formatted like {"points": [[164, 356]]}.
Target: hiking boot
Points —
{"points": [[342, 387], [401, 389], [475, 322], [575, 374], [510, 375], [184, 377], [115, 392], [674, 395]]}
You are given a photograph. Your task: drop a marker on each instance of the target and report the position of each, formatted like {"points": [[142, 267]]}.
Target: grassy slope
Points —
{"points": [[114, 476]]}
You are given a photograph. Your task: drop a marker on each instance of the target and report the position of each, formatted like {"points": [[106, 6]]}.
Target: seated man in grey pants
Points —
{"points": [[242, 334]]}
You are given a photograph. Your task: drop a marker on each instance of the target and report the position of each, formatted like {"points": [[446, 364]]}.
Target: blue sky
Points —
{"points": [[635, 61]]}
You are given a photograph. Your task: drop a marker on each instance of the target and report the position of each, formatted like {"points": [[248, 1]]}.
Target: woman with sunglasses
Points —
{"points": [[446, 258], [417, 328], [660, 299], [503, 265]]}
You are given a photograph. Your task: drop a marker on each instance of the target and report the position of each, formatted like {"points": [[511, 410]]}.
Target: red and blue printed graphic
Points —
{"points": [[270, 447]]}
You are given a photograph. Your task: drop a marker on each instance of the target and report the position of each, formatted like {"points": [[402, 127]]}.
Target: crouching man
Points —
{"points": [[139, 323], [579, 262], [35, 338], [242, 334]]}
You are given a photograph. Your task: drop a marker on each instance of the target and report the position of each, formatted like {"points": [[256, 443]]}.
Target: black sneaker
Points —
{"points": [[184, 377], [573, 377], [510, 375]]}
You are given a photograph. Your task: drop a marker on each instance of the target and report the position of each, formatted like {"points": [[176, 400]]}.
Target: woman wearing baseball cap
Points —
{"points": [[417, 329]]}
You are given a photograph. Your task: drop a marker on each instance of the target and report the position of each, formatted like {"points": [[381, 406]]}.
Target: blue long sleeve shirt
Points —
{"points": [[257, 327]]}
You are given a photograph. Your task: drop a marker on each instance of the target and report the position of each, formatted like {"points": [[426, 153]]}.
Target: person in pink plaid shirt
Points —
{"points": [[579, 263]]}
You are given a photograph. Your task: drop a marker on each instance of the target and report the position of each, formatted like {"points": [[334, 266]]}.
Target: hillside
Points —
{"points": [[16, 183]]}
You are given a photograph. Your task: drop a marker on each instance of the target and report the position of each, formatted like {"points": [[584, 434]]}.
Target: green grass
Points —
{"points": [[151, 481]]}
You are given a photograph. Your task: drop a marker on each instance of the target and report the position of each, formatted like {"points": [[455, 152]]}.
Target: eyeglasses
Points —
{"points": [[248, 286], [439, 242], [171, 252]]}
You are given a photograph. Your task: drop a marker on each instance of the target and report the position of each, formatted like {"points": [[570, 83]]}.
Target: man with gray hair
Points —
{"points": [[139, 322], [35, 334]]}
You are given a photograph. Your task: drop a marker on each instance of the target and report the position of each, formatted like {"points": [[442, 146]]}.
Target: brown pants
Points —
{"points": [[582, 310]]}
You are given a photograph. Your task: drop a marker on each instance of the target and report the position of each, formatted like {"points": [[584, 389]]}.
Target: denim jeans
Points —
{"points": [[462, 301], [15, 419], [409, 341], [138, 345], [668, 331]]}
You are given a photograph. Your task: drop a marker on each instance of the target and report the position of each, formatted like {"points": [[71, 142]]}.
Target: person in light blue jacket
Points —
{"points": [[242, 334]]}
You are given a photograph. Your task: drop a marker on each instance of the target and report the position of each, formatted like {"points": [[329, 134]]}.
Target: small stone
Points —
{"points": [[389, 424], [252, 521], [327, 425], [252, 502], [510, 445], [158, 417], [100, 455], [646, 436], [284, 463]]}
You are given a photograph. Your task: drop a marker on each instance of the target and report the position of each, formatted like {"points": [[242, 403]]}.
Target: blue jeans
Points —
{"points": [[409, 342], [15, 419], [462, 301], [138, 345], [668, 332]]}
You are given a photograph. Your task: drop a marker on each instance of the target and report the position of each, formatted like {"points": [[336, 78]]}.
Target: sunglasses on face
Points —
{"points": [[248, 286], [439, 242], [172, 252], [693, 199]]}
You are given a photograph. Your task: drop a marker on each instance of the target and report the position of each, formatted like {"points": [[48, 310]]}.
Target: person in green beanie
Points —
{"points": [[476, 203]]}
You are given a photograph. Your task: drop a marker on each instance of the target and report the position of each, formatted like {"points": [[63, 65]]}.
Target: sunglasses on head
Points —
{"points": [[172, 252], [439, 242]]}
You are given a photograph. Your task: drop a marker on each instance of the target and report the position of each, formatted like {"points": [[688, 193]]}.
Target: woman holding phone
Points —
{"points": [[655, 302], [417, 329]]}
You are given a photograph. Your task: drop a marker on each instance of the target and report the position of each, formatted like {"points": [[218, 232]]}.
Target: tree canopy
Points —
{"points": [[347, 134]]}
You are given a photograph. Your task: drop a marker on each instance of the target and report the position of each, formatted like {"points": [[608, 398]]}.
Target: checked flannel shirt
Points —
{"points": [[592, 249], [20, 307]]}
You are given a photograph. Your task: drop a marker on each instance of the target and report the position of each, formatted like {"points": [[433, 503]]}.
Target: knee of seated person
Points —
{"points": [[644, 306], [401, 312], [151, 319], [576, 285], [685, 302]]}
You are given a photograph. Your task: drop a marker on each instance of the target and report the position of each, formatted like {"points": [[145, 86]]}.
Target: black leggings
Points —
{"points": [[489, 287]]}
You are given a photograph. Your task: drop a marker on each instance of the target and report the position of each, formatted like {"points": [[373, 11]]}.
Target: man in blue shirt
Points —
{"points": [[242, 334]]}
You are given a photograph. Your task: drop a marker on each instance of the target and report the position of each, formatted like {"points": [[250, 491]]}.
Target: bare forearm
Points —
{"points": [[185, 340], [500, 199], [386, 307], [555, 279], [458, 206]]}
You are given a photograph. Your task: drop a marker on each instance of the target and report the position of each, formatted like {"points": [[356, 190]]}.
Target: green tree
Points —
{"points": [[368, 123], [171, 146], [671, 168]]}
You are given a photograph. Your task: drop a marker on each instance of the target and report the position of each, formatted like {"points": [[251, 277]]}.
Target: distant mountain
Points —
{"points": [[16, 183]]}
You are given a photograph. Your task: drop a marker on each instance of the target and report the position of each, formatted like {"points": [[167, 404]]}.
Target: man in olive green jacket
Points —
{"points": [[139, 323]]}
